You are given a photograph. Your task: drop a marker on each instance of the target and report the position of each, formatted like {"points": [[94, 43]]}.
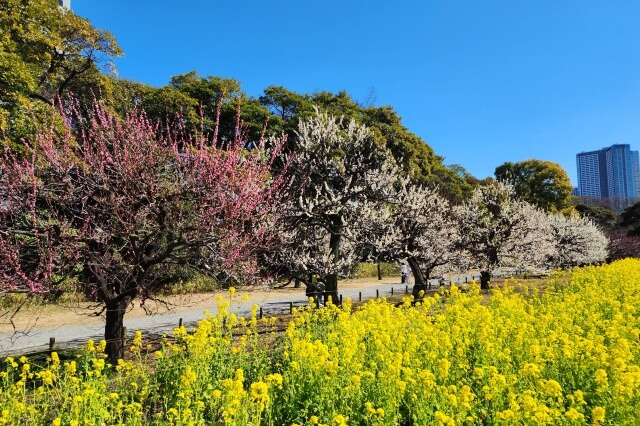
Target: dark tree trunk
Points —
{"points": [[296, 283], [331, 289], [379, 272], [420, 284], [485, 277], [113, 330]]}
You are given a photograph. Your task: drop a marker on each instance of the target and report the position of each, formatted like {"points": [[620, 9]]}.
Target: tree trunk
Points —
{"points": [[296, 283], [379, 272], [113, 330], [485, 277], [420, 284], [331, 289]]}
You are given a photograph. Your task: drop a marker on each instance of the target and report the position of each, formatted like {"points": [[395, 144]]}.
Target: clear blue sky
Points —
{"points": [[483, 82]]}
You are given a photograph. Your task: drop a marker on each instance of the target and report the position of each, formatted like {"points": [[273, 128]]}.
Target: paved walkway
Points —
{"points": [[273, 302]]}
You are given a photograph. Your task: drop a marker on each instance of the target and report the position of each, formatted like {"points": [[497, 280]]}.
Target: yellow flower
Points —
{"points": [[453, 400], [70, 367], [340, 420], [47, 377], [598, 415], [137, 339], [189, 377], [443, 367], [443, 419], [601, 378], [574, 415], [259, 394], [275, 380], [505, 415]]}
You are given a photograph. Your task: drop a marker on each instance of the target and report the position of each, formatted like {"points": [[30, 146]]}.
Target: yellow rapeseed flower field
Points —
{"points": [[565, 352]]}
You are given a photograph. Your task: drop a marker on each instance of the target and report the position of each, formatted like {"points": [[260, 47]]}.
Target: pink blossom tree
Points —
{"points": [[622, 245], [118, 204]]}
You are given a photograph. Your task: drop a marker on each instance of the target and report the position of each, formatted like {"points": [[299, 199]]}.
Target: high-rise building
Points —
{"points": [[635, 161], [65, 3], [590, 176], [612, 172]]}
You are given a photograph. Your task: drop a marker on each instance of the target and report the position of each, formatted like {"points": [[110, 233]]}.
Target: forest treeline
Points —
{"points": [[47, 53]]}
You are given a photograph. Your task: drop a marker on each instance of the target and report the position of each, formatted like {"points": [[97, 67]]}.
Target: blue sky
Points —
{"points": [[482, 82]]}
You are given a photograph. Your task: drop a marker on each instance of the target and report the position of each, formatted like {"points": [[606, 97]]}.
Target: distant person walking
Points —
{"points": [[404, 273]]}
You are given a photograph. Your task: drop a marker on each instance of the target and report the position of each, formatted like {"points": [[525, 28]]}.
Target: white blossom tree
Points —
{"points": [[497, 229], [416, 226], [577, 240], [341, 170], [376, 233], [429, 237]]}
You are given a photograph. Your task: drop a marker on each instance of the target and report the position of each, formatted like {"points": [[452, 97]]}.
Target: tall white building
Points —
{"points": [[65, 3]]}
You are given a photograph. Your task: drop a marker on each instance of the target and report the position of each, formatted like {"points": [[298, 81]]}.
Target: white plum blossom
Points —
{"points": [[341, 172], [577, 240], [497, 230], [418, 227]]}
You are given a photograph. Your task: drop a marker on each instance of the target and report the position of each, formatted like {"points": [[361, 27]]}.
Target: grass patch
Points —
{"points": [[370, 270]]}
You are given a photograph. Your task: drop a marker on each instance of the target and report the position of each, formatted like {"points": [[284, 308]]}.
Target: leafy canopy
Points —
{"points": [[542, 183]]}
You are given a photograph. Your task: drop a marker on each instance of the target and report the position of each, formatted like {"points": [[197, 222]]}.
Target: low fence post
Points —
{"points": [[406, 289], [392, 291], [359, 296], [377, 293], [180, 322], [260, 312], [52, 344], [291, 307], [124, 336]]}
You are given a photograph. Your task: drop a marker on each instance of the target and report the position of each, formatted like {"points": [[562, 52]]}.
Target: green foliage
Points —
{"points": [[542, 183], [191, 285], [67, 296], [604, 217], [415, 157], [630, 219], [44, 50], [370, 270]]}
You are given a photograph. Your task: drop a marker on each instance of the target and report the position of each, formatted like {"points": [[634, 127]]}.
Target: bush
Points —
{"points": [[370, 270]]}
